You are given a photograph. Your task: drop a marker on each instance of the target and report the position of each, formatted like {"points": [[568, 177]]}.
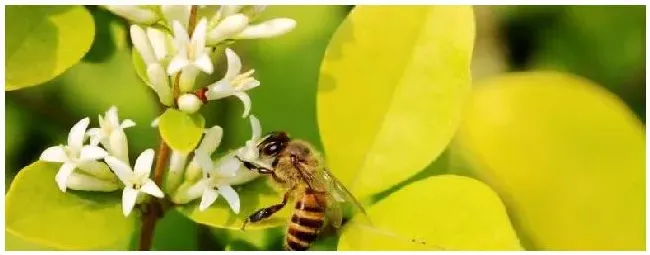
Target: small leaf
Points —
{"points": [[254, 195], [37, 212], [44, 41], [181, 131], [391, 89], [445, 212], [568, 155]]}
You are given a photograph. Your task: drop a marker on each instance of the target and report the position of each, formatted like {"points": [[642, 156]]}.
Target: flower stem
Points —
{"points": [[155, 207]]}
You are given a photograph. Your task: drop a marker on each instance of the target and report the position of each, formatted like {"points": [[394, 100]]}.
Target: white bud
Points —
{"points": [[227, 28], [187, 79], [193, 172], [159, 82], [267, 29], [97, 169], [176, 169], [142, 45], [180, 13], [134, 13], [161, 42], [79, 181], [189, 103], [118, 145]]}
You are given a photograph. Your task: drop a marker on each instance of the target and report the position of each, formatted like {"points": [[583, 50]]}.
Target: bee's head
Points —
{"points": [[273, 143]]}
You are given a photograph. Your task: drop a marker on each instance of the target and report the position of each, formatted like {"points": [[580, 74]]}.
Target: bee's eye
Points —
{"points": [[272, 149]]}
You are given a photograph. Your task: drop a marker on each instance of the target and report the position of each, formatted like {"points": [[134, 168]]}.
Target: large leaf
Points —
{"points": [[445, 212], [181, 131], [44, 41], [567, 156], [37, 212], [174, 232], [255, 195], [391, 88]]}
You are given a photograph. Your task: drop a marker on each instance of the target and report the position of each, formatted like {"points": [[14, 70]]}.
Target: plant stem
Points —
{"points": [[155, 207]]}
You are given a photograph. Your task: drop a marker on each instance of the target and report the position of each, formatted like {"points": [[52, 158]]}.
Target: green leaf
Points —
{"points": [[14, 243], [568, 156], [44, 41], [37, 212], [445, 212], [174, 232], [181, 131], [391, 88], [254, 195], [139, 66]]}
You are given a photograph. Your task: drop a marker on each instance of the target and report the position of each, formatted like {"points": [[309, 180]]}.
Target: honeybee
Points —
{"points": [[297, 166]]}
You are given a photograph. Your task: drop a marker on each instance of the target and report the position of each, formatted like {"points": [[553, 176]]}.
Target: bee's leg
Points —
{"points": [[253, 167], [266, 212]]}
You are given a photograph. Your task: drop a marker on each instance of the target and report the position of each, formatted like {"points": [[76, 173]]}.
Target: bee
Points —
{"points": [[297, 166]]}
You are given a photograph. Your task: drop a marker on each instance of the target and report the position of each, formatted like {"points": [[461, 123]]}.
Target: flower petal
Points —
{"points": [[181, 38], [143, 163], [203, 62], [129, 196], [151, 188], [177, 63], [61, 177], [121, 169], [90, 152], [211, 140], [95, 135], [231, 197], [179, 13], [248, 84], [267, 29], [209, 196], [142, 44], [256, 128], [54, 154], [219, 90], [198, 36], [118, 145], [245, 100], [78, 133], [195, 191], [161, 42], [227, 10], [127, 123], [111, 117], [234, 65], [228, 166]]}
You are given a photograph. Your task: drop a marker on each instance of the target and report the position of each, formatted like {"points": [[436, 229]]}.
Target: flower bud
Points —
{"points": [[159, 82], [227, 28], [267, 29], [176, 170], [79, 181], [134, 13], [97, 169], [193, 172], [189, 103]]}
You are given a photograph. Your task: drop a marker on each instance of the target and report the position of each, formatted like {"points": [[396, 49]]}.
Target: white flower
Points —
{"points": [[216, 181], [111, 134], [235, 25], [135, 180], [138, 14], [74, 154], [190, 52], [189, 103], [233, 83], [154, 48]]}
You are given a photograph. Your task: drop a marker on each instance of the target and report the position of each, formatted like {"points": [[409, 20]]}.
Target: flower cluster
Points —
{"points": [[176, 45]]}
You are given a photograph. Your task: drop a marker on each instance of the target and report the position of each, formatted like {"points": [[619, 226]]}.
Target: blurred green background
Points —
{"points": [[602, 43]]}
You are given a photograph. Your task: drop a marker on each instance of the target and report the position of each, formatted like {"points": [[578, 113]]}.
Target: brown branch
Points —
{"points": [[155, 207]]}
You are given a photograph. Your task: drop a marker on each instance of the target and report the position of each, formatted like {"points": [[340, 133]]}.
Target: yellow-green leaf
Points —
{"points": [[391, 88], [38, 212], [254, 195], [44, 41], [568, 156], [445, 212], [181, 131]]}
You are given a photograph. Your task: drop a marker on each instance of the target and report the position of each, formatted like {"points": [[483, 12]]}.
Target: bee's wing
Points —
{"points": [[337, 193]]}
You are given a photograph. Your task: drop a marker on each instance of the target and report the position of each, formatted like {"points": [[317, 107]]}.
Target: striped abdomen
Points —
{"points": [[306, 221]]}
